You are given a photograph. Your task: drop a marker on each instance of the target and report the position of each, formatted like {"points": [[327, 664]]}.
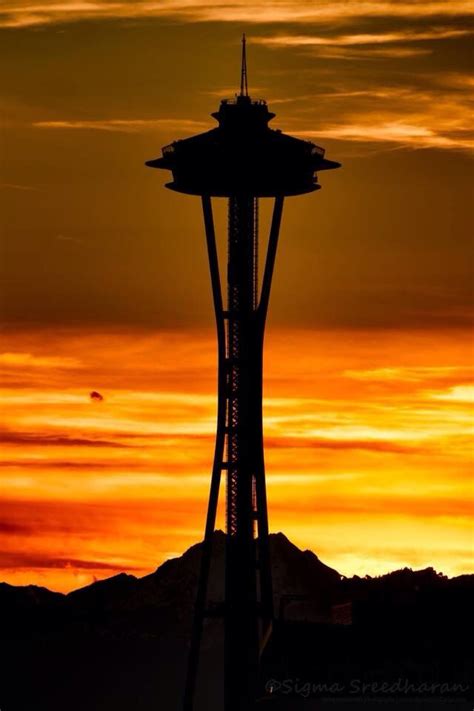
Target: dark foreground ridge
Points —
{"points": [[337, 642]]}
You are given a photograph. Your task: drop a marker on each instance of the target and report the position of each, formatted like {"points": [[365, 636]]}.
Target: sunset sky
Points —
{"points": [[105, 287]]}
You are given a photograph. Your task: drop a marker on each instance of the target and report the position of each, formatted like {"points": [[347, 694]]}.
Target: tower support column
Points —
{"points": [[243, 378]]}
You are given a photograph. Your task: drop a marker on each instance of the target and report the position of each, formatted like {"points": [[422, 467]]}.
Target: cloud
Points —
{"points": [[24, 13], [364, 45], [370, 502], [370, 445], [14, 186], [60, 465], [458, 393], [390, 131], [14, 528], [30, 560], [29, 360], [435, 114], [433, 33], [414, 374], [409, 117], [371, 52], [406, 134], [44, 440], [127, 125]]}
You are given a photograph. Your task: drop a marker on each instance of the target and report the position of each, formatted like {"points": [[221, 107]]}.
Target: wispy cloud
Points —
{"points": [[369, 445], [27, 560], [433, 33], [458, 393], [414, 117], [372, 45], [13, 186], [127, 125], [370, 52], [46, 440], [398, 131], [24, 13], [29, 360], [414, 374]]}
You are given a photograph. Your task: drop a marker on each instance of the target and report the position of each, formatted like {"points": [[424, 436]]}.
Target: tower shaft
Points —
{"points": [[243, 445], [243, 374], [248, 603]]}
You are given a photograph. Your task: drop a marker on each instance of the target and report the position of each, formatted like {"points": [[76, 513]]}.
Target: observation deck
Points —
{"points": [[243, 156]]}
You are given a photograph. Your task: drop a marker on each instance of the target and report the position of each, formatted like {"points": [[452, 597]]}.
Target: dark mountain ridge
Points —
{"points": [[122, 642], [300, 580]]}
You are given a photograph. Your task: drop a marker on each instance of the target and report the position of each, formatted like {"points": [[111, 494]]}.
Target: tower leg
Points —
{"points": [[261, 490], [206, 549]]}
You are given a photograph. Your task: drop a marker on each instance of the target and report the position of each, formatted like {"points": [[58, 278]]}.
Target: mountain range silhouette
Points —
{"points": [[121, 643]]}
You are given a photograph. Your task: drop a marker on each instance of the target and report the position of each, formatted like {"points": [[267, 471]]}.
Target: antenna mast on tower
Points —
{"points": [[244, 88]]}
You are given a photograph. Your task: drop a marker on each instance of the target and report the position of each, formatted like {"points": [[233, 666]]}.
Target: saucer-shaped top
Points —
{"points": [[243, 155]]}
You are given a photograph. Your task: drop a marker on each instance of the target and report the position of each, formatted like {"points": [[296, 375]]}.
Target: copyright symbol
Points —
{"points": [[272, 686]]}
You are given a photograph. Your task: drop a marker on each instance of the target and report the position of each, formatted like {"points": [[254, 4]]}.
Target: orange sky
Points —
{"points": [[367, 440], [104, 282]]}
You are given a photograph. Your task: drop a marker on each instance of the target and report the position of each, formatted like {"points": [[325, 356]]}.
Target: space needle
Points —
{"points": [[242, 159]]}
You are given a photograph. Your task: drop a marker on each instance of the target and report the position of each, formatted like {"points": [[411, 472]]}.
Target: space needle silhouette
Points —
{"points": [[242, 159]]}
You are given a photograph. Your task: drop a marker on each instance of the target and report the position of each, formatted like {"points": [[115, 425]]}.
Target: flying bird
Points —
{"points": [[94, 395]]}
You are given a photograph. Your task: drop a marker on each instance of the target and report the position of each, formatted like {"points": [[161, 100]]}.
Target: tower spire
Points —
{"points": [[244, 89]]}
